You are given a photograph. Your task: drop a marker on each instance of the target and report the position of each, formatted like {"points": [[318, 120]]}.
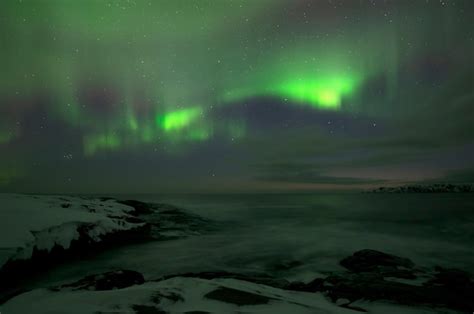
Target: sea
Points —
{"points": [[295, 236]]}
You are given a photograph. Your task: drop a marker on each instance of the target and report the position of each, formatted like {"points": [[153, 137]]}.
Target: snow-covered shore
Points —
{"points": [[175, 295], [39, 232], [190, 295], [375, 282], [30, 223]]}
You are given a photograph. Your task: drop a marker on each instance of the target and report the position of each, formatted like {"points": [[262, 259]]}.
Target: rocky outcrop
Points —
{"points": [[378, 276], [140, 208], [77, 240], [16, 271], [384, 264], [371, 260], [237, 297]]}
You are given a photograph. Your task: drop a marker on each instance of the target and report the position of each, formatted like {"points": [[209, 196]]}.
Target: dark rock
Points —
{"points": [[367, 279], [313, 286], [172, 296], [105, 198], [10, 294], [371, 260], [147, 309], [237, 297], [395, 272], [316, 284], [453, 278], [14, 273], [89, 209], [134, 220], [298, 286], [118, 279], [141, 208], [372, 287], [258, 278]]}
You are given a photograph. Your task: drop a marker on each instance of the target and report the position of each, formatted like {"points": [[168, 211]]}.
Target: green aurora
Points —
{"points": [[125, 76], [100, 44]]}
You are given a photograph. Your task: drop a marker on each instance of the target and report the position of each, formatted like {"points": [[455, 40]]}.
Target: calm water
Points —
{"points": [[262, 232]]}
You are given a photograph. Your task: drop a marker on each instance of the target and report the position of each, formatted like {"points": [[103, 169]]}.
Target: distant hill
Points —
{"points": [[431, 188]]}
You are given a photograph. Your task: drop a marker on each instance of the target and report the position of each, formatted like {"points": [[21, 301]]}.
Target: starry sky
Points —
{"points": [[130, 96]]}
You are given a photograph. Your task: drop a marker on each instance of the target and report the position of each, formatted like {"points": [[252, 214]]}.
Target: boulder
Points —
{"points": [[368, 279], [450, 277], [371, 260], [237, 297]]}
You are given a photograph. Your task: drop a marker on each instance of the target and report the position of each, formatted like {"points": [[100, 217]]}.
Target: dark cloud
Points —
{"points": [[458, 176], [305, 173]]}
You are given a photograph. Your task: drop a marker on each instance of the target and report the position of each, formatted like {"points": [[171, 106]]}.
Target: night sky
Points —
{"points": [[234, 96]]}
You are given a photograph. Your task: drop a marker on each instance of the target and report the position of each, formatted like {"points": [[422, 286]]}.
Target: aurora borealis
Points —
{"points": [[191, 95]]}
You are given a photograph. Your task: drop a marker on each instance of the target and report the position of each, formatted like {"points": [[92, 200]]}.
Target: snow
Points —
{"points": [[41, 222], [180, 295]]}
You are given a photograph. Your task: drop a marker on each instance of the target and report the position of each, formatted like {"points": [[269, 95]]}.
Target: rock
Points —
{"points": [[395, 272], [141, 208], [372, 287], [316, 284], [14, 271], [147, 309], [297, 286], [118, 279], [453, 278], [174, 297], [371, 260], [313, 286], [237, 297], [366, 279], [342, 302]]}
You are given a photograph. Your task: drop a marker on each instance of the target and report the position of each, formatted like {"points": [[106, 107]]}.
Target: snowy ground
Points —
{"points": [[29, 222], [190, 295]]}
